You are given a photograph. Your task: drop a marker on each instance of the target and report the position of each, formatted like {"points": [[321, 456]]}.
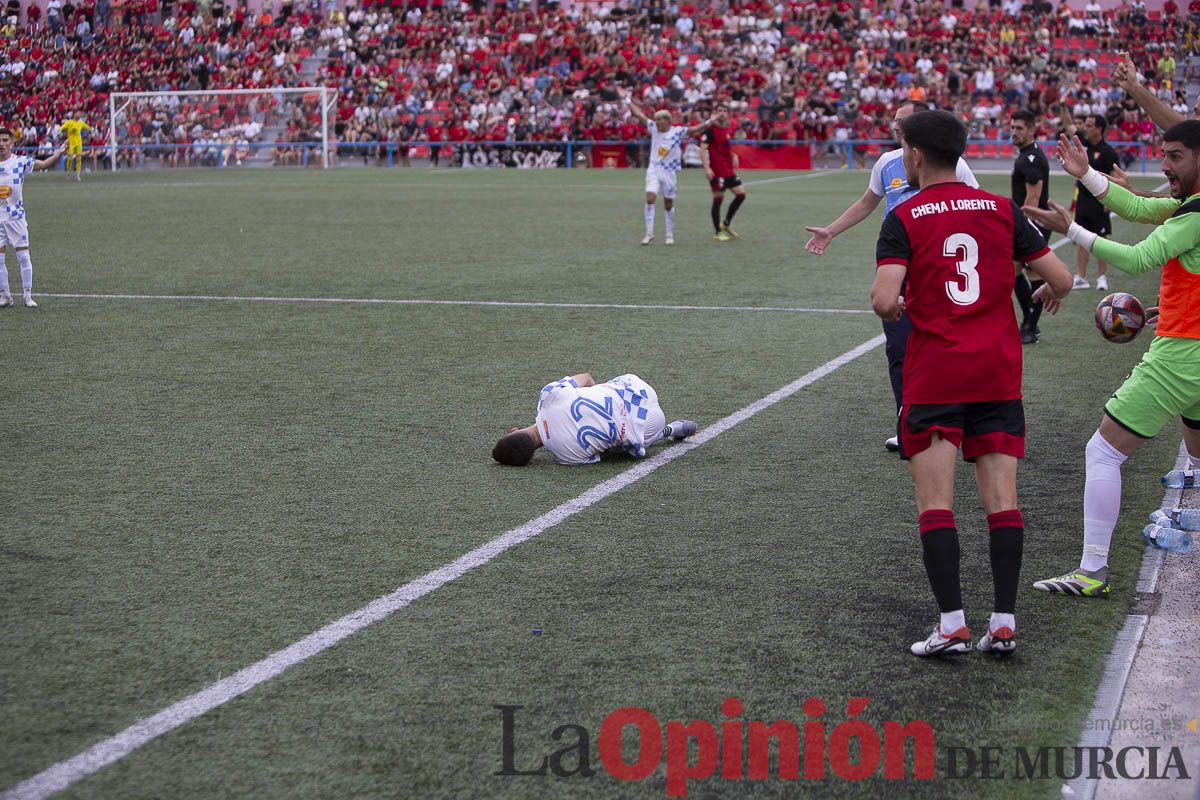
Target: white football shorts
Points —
{"points": [[14, 232], [656, 420], [661, 182]]}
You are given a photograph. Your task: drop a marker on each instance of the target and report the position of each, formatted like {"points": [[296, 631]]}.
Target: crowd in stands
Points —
{"points": [[826, 71]]}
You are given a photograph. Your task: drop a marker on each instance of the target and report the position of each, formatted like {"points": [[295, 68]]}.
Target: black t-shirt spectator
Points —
{"points": [[1031, 167], [1102, 158]]}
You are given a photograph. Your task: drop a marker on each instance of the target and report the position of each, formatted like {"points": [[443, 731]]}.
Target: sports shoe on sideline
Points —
{"points": [[892, 445], [29, 302], [999, 641], [1079, 583], [669, 240], [732, 233], [936, 644], [1030, 335], [5, 300], [722, 236], [648, 238], [680, 429], [1102, 283], [1080, 283]]}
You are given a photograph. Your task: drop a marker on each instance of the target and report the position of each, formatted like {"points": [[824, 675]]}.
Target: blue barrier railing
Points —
{"points": [[304, 154]]}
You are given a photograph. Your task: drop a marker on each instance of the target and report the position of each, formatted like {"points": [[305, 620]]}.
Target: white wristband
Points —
{"points": [[1081, 236], [1095, 182]]}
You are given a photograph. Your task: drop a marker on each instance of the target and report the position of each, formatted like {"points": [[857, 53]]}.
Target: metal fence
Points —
{"points": [[566, 154]]}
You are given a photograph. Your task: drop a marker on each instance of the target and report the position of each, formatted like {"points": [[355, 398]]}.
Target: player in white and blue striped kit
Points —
{"points": [[13, 229], [578, 420], [666, 159]]}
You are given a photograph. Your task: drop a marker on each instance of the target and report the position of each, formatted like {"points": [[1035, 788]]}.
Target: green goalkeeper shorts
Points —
{"points": [[1165, 384]]}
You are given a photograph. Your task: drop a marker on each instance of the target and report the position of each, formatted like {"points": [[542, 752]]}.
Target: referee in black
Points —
{"points": [[1030, 185], [1089, 212]]}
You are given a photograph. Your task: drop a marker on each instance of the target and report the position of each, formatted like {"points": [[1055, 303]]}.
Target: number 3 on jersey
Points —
{"points": [[963, 247]]}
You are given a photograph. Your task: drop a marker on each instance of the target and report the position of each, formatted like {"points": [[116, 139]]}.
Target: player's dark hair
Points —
{"points": [[7, 132], [939, 136], [1024, 115], [515, 450], [1099, 120], [918, 105], [1187, 133]]}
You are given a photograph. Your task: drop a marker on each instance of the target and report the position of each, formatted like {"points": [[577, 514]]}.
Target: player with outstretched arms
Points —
{"points": [[888, 183], [720, 167], [74, 127], [13, 228], [1166, 383], [666, 159], [955, 246], [578, 420]]}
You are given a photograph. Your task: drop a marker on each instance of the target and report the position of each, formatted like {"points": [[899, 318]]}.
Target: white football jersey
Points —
{"points": [[665, 151], [12, 176], [578, 424]]}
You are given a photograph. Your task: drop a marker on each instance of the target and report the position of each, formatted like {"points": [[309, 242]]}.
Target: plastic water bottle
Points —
{"points": [[1185, 519], [1179, 479], [1164, 518], [1169, 539]]}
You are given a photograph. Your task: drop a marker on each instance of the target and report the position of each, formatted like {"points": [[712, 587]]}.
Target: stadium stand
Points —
{"points": [[819, 71]]}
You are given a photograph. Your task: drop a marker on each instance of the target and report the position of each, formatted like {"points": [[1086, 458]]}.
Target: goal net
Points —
{"points": [[221, 128]]}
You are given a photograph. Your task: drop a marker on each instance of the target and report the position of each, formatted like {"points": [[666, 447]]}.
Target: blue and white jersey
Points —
{"points": [[12, 176], [889, 181], [665, 151], [578, 424]]}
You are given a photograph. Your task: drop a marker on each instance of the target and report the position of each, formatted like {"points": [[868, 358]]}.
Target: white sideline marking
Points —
{"points": [[813, 174], [414, 302], [64, 773], [232, 182]]}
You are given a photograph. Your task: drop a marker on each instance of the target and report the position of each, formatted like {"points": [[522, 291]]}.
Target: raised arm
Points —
{"points": [[51, 159], [633, 109], [696, 130], [1125, 76], [1067, 120]]}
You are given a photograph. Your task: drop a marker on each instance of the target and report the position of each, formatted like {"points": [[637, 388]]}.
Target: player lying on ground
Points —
{"points": [[578, 420], [666, 159], [962, 374], [13, 229], [1166, 382]]}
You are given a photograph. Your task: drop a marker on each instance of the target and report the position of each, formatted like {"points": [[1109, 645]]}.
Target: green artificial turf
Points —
{"points": [[189, 486]]}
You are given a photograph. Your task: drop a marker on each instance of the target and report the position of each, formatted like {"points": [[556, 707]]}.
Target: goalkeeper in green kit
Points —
{"points": [[1166, 382]]}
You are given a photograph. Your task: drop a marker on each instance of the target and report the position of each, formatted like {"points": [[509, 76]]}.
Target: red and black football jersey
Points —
{"points": [[720, 152], [958, 245]]}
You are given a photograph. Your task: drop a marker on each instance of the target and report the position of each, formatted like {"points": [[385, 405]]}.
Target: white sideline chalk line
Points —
{"points": [[231, 181], [61, 775], [415, 302]]}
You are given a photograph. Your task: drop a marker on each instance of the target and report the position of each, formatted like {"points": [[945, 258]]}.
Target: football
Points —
{"points": [[1120, 317]]}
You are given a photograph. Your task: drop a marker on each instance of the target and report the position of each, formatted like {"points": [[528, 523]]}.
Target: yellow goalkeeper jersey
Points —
{"points": [[74, 129]]}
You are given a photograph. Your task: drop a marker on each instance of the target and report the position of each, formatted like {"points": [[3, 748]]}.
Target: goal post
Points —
{"points": [[218, 125]]}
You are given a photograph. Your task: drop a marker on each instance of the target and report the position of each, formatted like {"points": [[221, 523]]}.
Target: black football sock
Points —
{"points": [[1024, 292], [1035, 309], [738, 199], [716, 214], [1006, 541], [939, 546]]}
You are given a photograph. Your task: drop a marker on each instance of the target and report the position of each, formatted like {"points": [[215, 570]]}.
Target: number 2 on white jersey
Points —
{"points": [[964, 247]]}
